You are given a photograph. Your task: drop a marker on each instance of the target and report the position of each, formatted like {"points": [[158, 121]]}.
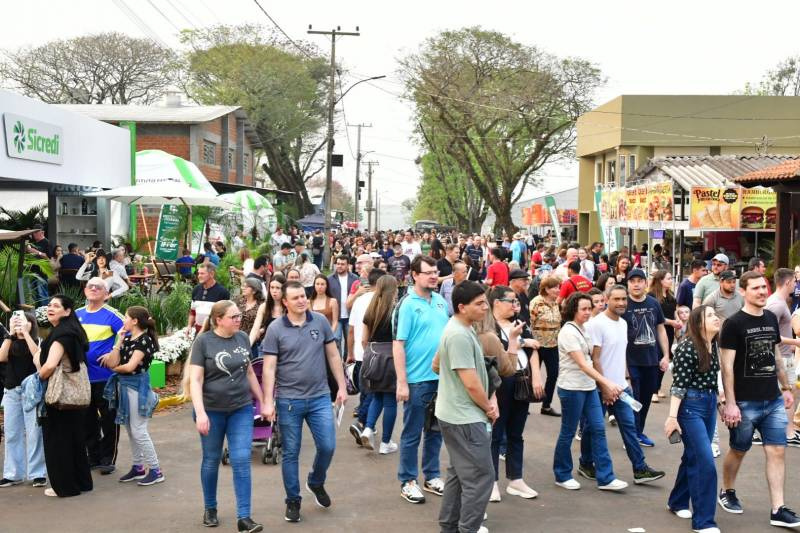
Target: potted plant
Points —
{"points": [[173, 350]]}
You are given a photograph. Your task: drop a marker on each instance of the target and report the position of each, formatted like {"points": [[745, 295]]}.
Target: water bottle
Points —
{"points": [[631, 401]]}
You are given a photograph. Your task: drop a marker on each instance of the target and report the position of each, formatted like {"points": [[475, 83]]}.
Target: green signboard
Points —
{"points": [[550, 202], [167, 238]]}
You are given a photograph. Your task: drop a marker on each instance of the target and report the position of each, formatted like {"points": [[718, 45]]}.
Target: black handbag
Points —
{"points": [[523, 388]]}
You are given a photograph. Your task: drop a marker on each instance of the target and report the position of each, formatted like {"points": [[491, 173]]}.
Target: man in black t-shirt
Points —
{"points": [[757, 394], [207, 290], [445, 264]]}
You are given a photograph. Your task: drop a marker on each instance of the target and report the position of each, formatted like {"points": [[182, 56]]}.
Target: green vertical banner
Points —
{"points": [[167, 238], [550, 202]]}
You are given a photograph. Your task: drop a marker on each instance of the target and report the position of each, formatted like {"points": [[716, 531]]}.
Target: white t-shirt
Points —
{"points": [[522, 357], [343, 313], [612, 338], [247, 266], [411, 249], [570, 376], [357, 322]]}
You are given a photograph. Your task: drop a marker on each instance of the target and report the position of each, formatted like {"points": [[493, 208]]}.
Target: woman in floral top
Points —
{"points": [[545, 323], [692, 414]]}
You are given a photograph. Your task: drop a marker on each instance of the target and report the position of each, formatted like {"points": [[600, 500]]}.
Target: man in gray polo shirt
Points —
{"points": [[726, 300], [295, 351]]}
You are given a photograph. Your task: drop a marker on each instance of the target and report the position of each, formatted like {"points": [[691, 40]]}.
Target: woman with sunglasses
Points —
{"points": [[222, 385]]}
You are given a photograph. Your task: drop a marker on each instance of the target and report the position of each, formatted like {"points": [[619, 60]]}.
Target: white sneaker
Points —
{"points": [[519, 488], [616, 484], [387, 448], [411, 492], [707, 530], [570, 484], [483, 529], [681, 513], [50, 492], [434, 486], [715, 451], [495, 497], [368, 439]]}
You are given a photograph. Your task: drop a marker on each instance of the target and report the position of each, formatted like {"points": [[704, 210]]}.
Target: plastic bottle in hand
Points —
{"points": [[631, 401]]}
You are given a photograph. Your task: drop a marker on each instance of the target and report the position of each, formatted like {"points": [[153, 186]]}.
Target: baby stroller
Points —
{"points": [[265, 434]]}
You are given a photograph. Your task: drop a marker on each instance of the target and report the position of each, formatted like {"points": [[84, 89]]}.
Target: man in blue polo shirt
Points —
{"points": [[419, 321], [101, 323]]}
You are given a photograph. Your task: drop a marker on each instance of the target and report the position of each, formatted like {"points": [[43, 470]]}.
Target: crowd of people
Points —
{"points": [[464, 332]]}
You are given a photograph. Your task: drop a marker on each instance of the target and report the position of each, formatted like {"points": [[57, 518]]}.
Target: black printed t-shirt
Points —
{"points": [[142, 343], [754, 339]]}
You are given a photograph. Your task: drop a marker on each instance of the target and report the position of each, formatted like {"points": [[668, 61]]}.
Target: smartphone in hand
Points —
{"points": [[675, 437]]}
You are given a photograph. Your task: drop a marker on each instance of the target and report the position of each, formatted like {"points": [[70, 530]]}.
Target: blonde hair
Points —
{"points": [[218, 310]]}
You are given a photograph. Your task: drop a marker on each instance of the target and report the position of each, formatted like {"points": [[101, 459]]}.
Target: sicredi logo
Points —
{"points": [[34, 140]]}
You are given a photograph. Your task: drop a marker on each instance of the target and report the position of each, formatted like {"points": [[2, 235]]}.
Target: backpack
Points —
{"points": [[396, 314]]}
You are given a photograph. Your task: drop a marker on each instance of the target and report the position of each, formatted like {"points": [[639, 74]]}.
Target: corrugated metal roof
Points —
{"points": [[788, 170], [708, 170]]}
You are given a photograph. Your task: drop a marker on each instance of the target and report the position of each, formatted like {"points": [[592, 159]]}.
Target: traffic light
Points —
{"points": [[358, 191]]}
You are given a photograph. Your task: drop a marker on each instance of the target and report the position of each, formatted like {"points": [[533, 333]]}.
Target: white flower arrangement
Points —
{"points": [[175, 347], [41, 316]]}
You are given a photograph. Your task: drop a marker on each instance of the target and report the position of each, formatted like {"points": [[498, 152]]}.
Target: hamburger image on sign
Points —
{"points": [[770, 218], [753, 218]]}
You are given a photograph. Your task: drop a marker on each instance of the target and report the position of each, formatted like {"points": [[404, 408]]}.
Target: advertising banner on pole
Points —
{"points": [[167, 238], [759, 208], [550, 202]]}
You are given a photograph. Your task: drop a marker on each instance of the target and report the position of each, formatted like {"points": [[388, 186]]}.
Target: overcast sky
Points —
{"points": [[675, 47]]}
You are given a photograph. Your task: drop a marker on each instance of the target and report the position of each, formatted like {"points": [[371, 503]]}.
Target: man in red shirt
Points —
{"points": [[575, 282], [497, 273]]}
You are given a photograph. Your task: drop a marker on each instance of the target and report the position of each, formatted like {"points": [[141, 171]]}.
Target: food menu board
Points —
{"points": [[659, 202], [758, 208], [715, 208]]}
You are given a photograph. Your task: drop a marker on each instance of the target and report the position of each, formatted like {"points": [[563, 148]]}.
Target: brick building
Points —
{"points": [[218, 139]]}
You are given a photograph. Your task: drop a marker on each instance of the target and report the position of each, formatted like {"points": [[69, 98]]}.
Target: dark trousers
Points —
{"points": [[644, 382], [549, 356], [65, 452], [102, 434], [508, 429]]}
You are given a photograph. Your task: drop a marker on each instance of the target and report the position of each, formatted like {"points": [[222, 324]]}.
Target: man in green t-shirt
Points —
{"points": [[466, 414]]}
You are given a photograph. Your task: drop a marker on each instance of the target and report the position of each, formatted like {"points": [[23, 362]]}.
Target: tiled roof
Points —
{"points": [[787, 170], [709, 170]]}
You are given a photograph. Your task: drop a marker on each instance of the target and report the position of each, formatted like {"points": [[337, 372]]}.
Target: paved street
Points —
{"points": [[366, 495]]}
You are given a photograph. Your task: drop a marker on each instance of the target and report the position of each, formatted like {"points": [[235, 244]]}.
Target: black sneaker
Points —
{"points": [[587, 471], [9, 482], [246, 525], [647, 475], [549, 411], [323, 500], [39, 482], [784, 517], [106, 469], [757, 438], [210, 518], [355, 431], [729, 502], [292, 512]]}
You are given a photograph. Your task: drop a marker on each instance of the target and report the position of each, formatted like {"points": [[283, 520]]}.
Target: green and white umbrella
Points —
{"points": [[156, 166], [254, 208]]}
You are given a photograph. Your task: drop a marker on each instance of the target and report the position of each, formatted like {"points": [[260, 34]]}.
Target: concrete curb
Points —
{"points": [[170, 401]]}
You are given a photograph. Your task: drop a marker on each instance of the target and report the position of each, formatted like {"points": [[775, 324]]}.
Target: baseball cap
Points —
{"points": [[728, 274], [637, 273], [518, 273], [722, 258]]}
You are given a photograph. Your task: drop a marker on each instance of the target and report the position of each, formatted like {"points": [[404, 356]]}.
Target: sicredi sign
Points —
{"points": [[34, 140]]}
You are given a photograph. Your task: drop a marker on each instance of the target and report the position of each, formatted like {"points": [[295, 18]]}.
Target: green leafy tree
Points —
{"points": [[282, 91], [505, 108], [783, 80], [17, 220]]}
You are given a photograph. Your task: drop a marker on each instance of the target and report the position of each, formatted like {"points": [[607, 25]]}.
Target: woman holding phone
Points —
{"points": [[691, 418]]}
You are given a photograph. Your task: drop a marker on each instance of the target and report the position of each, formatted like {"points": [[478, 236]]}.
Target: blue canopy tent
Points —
{"points": [[312, 222]]}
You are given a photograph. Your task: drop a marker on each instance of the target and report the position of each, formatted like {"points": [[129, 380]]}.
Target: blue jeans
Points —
{"points": [[626, 423], [24, 449], [508, 429], [574, 405], [341, 335], [364, 398], [644, 383], [419, 395], [237, 427], [387, 402], [697, 475], [768, 417], [318, 414]]}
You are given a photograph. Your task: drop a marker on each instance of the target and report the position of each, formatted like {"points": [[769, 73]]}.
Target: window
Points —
{"points": [[209, 153], [632, 164], [622, 174], [611, 172], [598, 173], [231, 158]]}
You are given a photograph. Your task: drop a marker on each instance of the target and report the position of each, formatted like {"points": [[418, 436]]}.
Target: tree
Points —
{"points": [[506, 109], [783, 80], [101, 68], [16, 220], [282, 91]]}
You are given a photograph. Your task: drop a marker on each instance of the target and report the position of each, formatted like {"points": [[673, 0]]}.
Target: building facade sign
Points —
{"points": [[31, 139]]}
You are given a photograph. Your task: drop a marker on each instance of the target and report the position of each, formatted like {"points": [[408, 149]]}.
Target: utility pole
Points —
{"points": [[369, 208], [329, 138], [358, 168]]}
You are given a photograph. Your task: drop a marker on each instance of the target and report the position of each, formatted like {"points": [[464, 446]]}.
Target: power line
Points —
{"points": [[344, 116], [177, 29], [180, 12], [275, 23], [139, 22]]}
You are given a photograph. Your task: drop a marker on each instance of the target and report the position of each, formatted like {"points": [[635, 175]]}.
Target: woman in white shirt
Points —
{"points": [[577, 391]]}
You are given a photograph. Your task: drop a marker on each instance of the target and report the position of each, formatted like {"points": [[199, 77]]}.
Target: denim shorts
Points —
{"points": [[768, 417]]}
